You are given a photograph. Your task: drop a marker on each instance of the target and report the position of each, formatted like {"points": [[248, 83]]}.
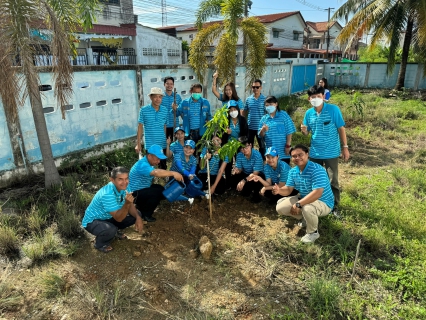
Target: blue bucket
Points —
{"points": [[194, 188], [173, 190]]}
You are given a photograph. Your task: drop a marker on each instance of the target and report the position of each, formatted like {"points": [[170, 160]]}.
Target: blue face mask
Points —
{"points": [[196, 96], [270, 109]]}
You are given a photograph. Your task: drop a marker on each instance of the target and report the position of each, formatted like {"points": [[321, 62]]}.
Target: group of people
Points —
{"points": [[307, 191]]}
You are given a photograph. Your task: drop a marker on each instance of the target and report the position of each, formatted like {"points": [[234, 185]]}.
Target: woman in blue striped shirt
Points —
{"points": [[177, 146], [230, 92]]}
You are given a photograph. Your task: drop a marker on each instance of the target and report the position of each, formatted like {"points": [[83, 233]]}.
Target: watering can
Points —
{"points": [[194, 188], [173, 191]]}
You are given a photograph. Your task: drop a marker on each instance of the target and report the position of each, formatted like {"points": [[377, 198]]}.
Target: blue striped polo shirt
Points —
{"points": [[256, 110], [254, 163], [194, 114], [312, 177], [176, 147], [153, 123], [279, 127], [280, 174], [108, 199], [327, 94], [189, 165], [167, 102], [214, 163], [139, 176], [239, 101], [325, 140], [235, 129]]}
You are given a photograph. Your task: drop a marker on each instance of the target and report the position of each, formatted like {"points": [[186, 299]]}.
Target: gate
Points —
{"points": [[303, 77]]}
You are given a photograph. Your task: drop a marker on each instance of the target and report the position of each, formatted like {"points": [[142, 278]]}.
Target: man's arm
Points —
{"points": [[282, 190], [160, 173], [139, 223], [139, 137], [312, 196], [120, 214], [344, 141]]}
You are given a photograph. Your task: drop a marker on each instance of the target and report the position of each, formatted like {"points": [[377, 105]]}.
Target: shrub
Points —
{"points": [[9, 243]]}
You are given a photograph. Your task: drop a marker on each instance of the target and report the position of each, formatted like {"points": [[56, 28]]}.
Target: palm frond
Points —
{"points": [[225, 58], [255, 33], [233, 12], [199, 47], [206, 10]]}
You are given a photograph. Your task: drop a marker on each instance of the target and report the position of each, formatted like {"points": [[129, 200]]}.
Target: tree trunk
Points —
{"points": [[404, 57], [51, 174]]}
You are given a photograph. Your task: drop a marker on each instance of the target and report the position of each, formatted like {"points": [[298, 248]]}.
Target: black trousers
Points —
{"points": [[221, 186], [147, 199], [249, 187], [105, 230], [169, 131], [260, 142]]}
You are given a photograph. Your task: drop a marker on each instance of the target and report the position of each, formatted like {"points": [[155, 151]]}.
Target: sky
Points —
{"points": [[183, 11]]}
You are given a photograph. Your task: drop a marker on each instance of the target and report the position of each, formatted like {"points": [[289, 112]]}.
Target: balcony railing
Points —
{"points": [[113, 58]]}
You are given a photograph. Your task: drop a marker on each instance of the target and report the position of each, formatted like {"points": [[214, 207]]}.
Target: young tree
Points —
{"points": [[227, 32], [387, 19], [17, 20]]}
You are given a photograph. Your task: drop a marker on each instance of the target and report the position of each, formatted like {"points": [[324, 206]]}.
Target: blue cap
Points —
{"points": [[179, 128], [190, 143], [157, 151], [271, 151], [232, 103]]}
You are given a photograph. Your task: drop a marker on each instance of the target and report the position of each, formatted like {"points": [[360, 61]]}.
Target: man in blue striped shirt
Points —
{"points": [[315, 199], [152, 124], [168, 101], [110, 210], [195, 112], [328, 139], [148, 195], [255, 107]]}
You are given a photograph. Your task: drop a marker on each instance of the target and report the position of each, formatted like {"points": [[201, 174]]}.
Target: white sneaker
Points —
{"points": [[207, 196], [310, 237], [191, 200]]}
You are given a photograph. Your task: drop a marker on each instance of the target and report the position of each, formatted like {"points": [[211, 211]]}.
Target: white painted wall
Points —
{"points": [[290, 25]]}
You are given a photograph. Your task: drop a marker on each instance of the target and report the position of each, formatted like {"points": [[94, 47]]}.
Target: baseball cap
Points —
{"points": [[157, 151], [271, 151], [190, 143], [156, 90], [232, 103], [179, 128]]}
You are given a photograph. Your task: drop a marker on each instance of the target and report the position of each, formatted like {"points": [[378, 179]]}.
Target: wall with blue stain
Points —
{"points": [[106, 120], [6, 155]]}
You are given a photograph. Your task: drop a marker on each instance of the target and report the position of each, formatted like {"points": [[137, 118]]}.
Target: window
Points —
{"points": [[152, 52], [116, 101], [113, 2], [316, 43], [85, 105], [275, 34], [173, 52], [296, 36], [45, 87]]}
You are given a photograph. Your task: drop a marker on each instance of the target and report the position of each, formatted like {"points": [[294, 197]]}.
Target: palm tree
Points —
{"points": [[227, 32], [17, 20], [386, 19]]}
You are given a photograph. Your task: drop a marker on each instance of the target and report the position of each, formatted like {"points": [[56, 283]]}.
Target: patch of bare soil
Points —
{"points": [[162, 275]]}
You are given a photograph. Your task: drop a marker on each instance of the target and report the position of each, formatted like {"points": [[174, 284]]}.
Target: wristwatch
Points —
{"points": [[298, 205]]}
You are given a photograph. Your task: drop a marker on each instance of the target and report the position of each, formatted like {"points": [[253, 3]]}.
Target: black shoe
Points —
{"points": [[149, 218]]}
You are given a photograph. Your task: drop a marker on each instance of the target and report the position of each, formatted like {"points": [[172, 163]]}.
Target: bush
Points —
{"points": [[9, 243]]}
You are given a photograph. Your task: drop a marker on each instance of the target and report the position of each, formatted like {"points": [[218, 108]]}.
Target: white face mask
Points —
{"points": [[233, 114], [316, 102]]}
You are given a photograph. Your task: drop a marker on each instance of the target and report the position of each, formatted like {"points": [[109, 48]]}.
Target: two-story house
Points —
{"points": [[318, 34]]}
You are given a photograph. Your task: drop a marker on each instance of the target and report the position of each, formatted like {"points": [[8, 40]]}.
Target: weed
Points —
{"points": [[36, 219], [9, 243], [69, 224], [44, 246], [53, 285], [324, 296], [357, 106], [9, 297]]}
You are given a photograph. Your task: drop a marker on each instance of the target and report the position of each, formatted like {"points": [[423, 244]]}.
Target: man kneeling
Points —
{"points": [[316, 197], [112, 209], [148, 195]]}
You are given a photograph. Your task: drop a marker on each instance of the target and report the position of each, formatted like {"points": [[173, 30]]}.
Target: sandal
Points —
{"points": [[105, 248], [121, 236]]}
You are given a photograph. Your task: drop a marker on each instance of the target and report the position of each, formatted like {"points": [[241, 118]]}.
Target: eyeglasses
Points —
{"points": [[300, 155], [255, 87]]}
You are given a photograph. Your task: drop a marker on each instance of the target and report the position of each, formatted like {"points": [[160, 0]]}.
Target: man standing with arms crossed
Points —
{"points": [[152, 124], [328, 139], [255, 107], [168, 102]]}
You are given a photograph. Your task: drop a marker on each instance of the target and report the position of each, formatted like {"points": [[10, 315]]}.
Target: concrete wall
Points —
{"points": [[370, 75], [106, 101]]}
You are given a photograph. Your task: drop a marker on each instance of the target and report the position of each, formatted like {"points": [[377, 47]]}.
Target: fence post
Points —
{"points": [[367, 75], [418, 76]]}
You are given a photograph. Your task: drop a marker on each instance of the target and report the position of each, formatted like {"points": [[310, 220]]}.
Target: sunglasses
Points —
{"points": [[255, 87]]}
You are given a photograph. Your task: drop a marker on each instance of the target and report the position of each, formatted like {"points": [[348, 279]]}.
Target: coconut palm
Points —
{"points": [[227, 32], [19, 77], [386, 19]]}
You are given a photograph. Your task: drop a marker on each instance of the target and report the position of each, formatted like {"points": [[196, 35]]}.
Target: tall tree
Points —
{"points": [[387, 19], [18, 21], [227, 33]]}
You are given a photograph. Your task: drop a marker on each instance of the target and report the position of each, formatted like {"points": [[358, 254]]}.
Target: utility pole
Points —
{"points": [[247, 6], [328, 32], [163, 13]]}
